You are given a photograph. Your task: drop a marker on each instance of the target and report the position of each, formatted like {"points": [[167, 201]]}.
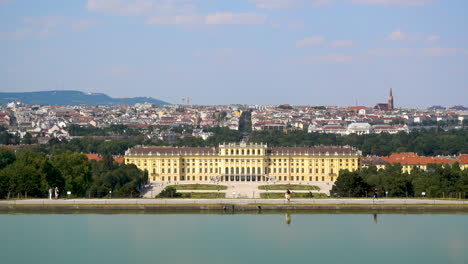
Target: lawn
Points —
{"points": [[289, 187], [210, 187], [276, 195], [203, 195]]}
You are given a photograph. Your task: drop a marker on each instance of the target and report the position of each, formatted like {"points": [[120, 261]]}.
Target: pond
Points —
{"points": [[234, 238]]}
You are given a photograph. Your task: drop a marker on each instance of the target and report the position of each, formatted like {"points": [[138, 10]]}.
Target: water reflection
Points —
{"points": [[288, 219], [376, 218]]}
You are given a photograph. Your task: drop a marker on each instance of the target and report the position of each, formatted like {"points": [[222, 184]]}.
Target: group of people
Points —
{"points": [[55, 191]]}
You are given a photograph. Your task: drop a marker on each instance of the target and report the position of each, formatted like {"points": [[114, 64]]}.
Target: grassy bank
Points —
{"points": [[196, 195], [208, 187], [289, 187], [203, 195], [277, 195]]}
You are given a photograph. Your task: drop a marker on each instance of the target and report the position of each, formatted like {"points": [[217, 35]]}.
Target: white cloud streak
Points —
{"points": [[330, 59], [399, 35], [235, 19], [172, 12], [393, 2], [285, 4], [309, 41], [342, 44]]}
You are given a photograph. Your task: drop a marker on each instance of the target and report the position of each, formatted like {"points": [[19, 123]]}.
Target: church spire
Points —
{"points": [[390, 100]]}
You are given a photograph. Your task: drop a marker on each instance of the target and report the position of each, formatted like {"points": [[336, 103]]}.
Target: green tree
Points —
{"points": [[6, 157], [350, 184], [169, 192], [76, 170]]}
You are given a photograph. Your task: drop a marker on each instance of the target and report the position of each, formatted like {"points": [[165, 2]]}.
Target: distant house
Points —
{"points": [[360, 128]]}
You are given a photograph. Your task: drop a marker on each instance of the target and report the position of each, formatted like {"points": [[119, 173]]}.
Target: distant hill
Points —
{"points": [[73, 98]]}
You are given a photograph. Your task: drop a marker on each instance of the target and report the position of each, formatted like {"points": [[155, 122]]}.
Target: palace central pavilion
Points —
{"points": [[243, 162]]}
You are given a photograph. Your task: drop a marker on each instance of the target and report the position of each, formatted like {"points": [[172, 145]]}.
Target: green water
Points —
{"points": [[237, 238]]}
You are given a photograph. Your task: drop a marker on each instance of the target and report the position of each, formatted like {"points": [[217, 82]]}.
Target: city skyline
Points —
{"points": [[321, 52]]}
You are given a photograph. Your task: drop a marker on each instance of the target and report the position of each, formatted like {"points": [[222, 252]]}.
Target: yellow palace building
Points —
{"points": [[242, 162]]}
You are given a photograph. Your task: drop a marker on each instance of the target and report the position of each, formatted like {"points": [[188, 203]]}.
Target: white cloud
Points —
{"points": [[175, 20], [309, 41], [284, 4], [441, 51], [393, 2], [19, 33], [342, 44], [396, 35], [422, 52], [120, 7], [44, 26], [399, 35], [172, 12], [118, 69], [330, 58], [319, 3], [391, 52], [48, 21], [83, 24], [235, 18], [210, 19], [275, 4], [296, 25], [432, 38]]}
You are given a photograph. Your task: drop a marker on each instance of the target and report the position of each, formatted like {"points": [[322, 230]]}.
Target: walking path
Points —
{"points": [[236, 189]]}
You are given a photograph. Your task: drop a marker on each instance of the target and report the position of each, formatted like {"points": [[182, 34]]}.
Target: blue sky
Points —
{"points": [[302, 52]]}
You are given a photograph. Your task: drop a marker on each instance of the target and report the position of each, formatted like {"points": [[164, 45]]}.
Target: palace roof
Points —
{"points": [[320, 150]]}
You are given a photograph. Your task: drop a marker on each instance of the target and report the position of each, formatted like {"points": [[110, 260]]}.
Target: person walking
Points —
{"points": [[288, 195], [56, 193], [376, 195], [50, 193]]}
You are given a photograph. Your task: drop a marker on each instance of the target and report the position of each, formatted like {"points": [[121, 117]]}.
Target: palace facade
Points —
{"points": [[243, 162]]}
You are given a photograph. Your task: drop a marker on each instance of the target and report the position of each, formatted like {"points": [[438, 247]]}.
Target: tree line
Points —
{"points": [[428, 142], [436, 182], [424, 142], [31, 174]]}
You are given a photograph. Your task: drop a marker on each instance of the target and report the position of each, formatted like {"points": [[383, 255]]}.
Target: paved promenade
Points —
{"points": [[233, 201], [239, 190]]}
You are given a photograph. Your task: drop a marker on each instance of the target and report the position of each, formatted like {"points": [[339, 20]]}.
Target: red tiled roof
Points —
{"points": [[119, 159], [463, 159], [414, 159], [94, 157]]}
